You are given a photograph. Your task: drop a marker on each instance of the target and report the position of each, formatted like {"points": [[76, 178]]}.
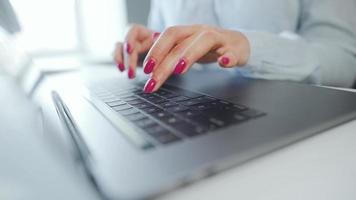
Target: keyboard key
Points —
{"points": [[144, 105], [165, 136], [230, 117], [154, 129], [150, 110], [144, 123], [179, 98], [251, 113], [109, 99], [205, 123], [204, 99], [189, 113], [161, 114], [171, 120], [163, 93], [116, 103], [135, 102], [145, 95], [239, 107], [168, 104], [121, 107], [189, 130], [128, 111], [189, 102], [122, 93], [129, 98], [239, 118], [155, 99], [200, 107], [169, 95], [217, 122], [182, 92], [177, 108], [135, 116]]}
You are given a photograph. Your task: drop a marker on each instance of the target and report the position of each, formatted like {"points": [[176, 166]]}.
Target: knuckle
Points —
{"points": [[177, 50], [208, 33], [171, 31], [155, 51], [134, 27], [204, 27]]}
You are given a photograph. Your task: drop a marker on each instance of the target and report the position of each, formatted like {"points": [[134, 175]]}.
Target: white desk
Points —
{"points": [[321, 167]]}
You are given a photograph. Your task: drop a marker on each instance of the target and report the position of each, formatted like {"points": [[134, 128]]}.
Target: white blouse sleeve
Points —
{"points": [[155, 19], [323, 51]]}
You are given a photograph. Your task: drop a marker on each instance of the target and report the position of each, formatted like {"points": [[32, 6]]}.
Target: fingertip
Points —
{"points": [[224, 60], [121, 66], [149, 65], [128, 47], [131, 73], [155, 36], [150, 85], [180, 66]]}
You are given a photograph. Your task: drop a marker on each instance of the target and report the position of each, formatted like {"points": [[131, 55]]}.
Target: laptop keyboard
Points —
{"points": [[172, 114]]}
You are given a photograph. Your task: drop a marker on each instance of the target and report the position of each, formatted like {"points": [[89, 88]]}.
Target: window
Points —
{"points": [[64, 26]]}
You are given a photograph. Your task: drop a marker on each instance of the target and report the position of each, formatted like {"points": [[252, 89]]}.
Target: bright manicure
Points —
{"points": [[128, 48], [131, 73], [150, 64], [225, 60], [180, 66], [121, 67], [150, 85]]}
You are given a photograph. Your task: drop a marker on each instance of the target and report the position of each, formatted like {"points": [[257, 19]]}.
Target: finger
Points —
{"points": [[183, 56], [155, 36], [136, 34], [166, 41], [132, 64], [139, 39], [228, 59], [118, 56], [204, 43], [151, 84]]}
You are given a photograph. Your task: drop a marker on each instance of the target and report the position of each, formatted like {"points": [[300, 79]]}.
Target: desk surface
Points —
{"points": [[321, 167]]}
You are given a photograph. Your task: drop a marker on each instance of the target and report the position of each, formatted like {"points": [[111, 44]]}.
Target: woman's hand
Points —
{"points": [[138, 40], [178, 47]]}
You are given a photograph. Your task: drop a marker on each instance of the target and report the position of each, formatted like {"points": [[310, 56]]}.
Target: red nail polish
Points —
{"points": [[128, 48], [150, 85], [121, 67], [180, 66], [155, 35], [131, 73], [150, 64], [225, 60]]}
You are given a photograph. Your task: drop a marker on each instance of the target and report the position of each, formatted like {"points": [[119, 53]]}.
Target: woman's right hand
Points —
{"points": [[139, 39]]}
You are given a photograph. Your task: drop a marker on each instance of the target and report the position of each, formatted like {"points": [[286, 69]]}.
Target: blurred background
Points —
{"points": [[50, 27]]}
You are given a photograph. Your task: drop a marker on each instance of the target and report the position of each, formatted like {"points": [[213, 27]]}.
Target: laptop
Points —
{"points": [[138, 146]]}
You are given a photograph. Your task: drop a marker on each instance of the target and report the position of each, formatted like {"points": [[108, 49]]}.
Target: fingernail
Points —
{"points": [[225, 60], [155, 35], [150, 85], [150, 64], [128, 48], [131, 73], [121, 67], [180, 66]]}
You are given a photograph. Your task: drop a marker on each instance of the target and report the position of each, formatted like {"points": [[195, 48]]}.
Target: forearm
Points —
{"points": [[291, 57]]}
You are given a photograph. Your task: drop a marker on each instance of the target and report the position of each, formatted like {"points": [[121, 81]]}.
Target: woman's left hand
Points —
{"points": [[179, 47]]}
